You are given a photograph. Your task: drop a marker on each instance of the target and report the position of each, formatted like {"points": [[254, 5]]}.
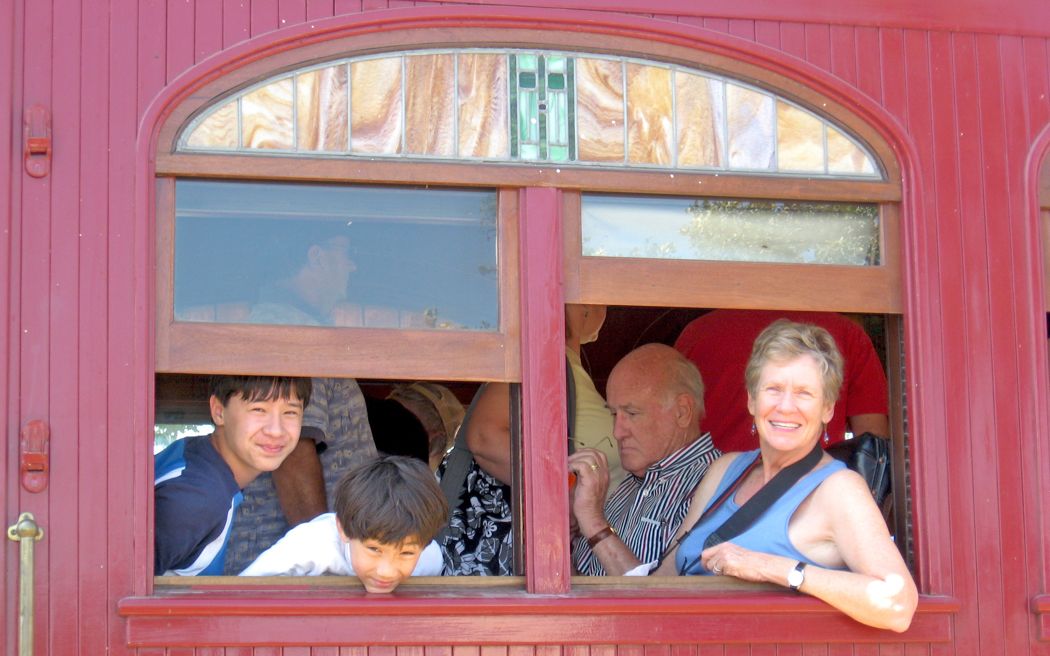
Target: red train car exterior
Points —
{"points": [[960, 91]]}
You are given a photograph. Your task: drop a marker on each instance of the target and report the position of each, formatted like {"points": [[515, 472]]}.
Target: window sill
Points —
{"points": [[431, 612]]}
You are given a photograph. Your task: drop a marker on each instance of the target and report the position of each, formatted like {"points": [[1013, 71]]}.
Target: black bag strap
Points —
{"points": [[457, 462], [570, 404], [746, 515]]}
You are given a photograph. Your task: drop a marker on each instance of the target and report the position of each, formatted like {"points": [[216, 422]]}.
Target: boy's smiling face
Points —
{"points": [[382, 566]]}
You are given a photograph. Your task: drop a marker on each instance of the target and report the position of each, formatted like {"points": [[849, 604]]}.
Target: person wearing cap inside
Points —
{"points": [[416, 419], [310, 276]]}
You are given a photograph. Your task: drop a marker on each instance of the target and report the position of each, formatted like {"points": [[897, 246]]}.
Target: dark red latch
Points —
{"points": [[34, 455], [37, 129]]}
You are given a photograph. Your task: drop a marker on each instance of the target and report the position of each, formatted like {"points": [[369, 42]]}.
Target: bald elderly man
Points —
{"points": [[656, 397]]}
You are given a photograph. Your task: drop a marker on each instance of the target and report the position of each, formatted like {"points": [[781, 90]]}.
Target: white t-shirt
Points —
{"points": [[315, 548]]}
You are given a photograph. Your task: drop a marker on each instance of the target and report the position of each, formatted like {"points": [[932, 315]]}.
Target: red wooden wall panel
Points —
{"points": [[970, 106]]}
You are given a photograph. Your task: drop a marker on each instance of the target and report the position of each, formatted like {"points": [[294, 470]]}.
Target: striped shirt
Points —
{"points": [[646, 512]]}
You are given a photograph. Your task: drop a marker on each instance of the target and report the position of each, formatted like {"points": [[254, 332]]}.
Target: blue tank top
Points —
{"points": [[769, 533]]}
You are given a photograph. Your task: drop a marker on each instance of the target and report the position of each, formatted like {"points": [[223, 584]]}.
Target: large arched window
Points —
{"points": [[671, 180]]}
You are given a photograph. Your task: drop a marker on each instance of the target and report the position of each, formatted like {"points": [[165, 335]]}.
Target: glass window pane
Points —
{"points": [[312, 254], [700, 113], [266, 120], [800, 140], [730, 230], [484, 114], [650, 135], [321, 109], [375, 106], [750, 119], [218, 130], [600, 110], [430, 105]]}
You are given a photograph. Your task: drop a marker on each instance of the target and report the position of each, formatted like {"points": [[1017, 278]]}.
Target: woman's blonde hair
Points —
{"points": [[785, 340]]}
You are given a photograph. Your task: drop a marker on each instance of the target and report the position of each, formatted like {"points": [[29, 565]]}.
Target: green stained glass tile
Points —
{"points": [[527, 62], [527, 80], [556, 64], [558, 153], [555, 81], [530, 151]]}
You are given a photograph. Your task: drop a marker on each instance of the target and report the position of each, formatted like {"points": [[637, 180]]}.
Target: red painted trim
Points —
{"points": [[543, 388], [1030, 17], [1038, 451], [776, 618], [247, 619]]}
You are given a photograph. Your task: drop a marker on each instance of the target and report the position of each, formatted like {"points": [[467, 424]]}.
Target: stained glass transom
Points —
{"points": [[528, 106]]}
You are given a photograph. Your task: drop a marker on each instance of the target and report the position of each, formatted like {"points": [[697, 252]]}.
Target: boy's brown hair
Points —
{"points": [[390, 499], [260, 388]]}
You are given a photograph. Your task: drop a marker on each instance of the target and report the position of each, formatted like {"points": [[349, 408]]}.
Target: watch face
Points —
{"points": [[795, 576]]}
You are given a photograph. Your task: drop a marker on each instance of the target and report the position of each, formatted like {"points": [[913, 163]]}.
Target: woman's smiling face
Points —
{"points": [[789, 405]]}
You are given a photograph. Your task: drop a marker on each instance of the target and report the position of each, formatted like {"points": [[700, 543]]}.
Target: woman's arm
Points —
{"points": [[877, 591], [488, 433]]}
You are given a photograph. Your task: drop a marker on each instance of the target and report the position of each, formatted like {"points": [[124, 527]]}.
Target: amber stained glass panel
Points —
{"points": [[376, 106], [484, 112], [750, 120], [430, 105], [218, 130], [800, 140], [700, 113], [650, 126], [600, 110], [320, 99], [266, 117]]}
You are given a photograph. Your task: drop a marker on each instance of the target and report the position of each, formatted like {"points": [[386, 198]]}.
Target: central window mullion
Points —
{"points": [[544, 492]]}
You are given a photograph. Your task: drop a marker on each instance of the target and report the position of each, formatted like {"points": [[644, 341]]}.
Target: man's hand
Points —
{"points": [[592, 484]]}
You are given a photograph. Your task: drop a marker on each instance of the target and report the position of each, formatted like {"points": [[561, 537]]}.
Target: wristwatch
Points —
{"points": [[796, 576]]}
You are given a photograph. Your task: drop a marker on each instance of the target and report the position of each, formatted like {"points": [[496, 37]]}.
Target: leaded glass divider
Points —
{"points": [[529, 106]]}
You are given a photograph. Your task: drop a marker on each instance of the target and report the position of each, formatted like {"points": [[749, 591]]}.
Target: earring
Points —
{"points": [[827, 438], [754, 429]]}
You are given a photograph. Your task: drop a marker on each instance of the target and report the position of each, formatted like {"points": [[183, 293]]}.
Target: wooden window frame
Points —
{"points": [[206, 347], [1044, 222], [679, 611]]}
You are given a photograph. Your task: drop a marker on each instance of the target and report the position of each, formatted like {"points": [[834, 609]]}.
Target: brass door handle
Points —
{"points": [[25, 532]]}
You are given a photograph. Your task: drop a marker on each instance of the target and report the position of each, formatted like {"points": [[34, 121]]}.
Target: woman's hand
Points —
{"points": [[728, 559]]}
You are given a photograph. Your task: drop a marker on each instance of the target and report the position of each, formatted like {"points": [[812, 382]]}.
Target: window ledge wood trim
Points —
{"points": [[658, 282], [226, 618], [328, 351], [396, 170]]}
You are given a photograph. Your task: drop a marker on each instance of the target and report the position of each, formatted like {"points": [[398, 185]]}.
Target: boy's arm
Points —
{"points": [[299, 483], [307, 550]]}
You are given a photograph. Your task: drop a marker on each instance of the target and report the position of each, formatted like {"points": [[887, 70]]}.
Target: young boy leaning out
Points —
{"points": [[387, 513]]}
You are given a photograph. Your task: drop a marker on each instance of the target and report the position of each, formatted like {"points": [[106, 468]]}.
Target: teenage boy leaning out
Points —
{"points": [[198, 480], [387, 513]]}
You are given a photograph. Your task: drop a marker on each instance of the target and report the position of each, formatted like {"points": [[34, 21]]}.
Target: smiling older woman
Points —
{"points": [[823, 535]]}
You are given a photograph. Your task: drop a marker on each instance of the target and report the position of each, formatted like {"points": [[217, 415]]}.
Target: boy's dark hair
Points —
{"points": [[390, 499], [260, 388]]}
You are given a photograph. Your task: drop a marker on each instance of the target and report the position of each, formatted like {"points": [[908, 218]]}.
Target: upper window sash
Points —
{"points": [[529, 106]]}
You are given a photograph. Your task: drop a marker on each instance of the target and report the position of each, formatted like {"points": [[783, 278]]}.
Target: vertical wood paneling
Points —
{"points": [[717, 24], [66, 562], [818, 46], [1013, 341], [793, 39], [868, 58], [264, 16], [121, 446], [290, 12], [843, 49], [152, 43], [179, 42], [979, 332], [347, 6], [87, 404], [236, 21], [318, 9], [768, 33], [745, 29], [10, 97], [207, 29]]}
